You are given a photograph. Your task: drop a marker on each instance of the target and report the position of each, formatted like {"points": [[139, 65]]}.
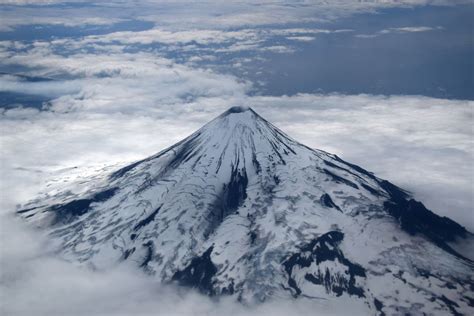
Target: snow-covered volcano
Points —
{"points": [[239, 208]]}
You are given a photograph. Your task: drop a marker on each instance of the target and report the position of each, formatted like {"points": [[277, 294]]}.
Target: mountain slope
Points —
{"points": [[239, 208]]}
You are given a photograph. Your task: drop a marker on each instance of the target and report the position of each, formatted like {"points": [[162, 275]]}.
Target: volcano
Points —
{"points": [[241, 209]]}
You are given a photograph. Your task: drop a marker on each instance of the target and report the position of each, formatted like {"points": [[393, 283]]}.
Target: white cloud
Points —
{"points": [[229, 14], [47, 88], [108, 82], [282, 49], [301, 38], [229, 40], [11, 19], [199, 36], [401, 30], [410, 29], [182, 15], [26, 2], [366, 35], [306, 31]]}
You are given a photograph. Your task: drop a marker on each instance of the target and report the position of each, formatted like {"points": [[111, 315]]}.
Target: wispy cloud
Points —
{"points": [[401, 30], [178, 15], [301, 38], [410, 29], [199, 36], [228, 40], [12, 19]]}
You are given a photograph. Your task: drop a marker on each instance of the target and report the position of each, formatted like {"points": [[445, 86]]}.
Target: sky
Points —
{"points": [[86, 85]]}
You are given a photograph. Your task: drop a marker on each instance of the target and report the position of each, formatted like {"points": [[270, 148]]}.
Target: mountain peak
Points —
{"points": [[238, 109], [239, 113]]}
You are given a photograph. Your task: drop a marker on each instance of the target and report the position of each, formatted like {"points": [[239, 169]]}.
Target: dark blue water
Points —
{"points": [[437, 63]]}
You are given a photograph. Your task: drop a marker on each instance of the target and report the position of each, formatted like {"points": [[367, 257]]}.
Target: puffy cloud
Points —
{"points": [[108, 82]]}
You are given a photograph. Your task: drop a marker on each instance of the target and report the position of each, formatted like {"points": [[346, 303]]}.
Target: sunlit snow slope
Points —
{"points": [[239, 208]]}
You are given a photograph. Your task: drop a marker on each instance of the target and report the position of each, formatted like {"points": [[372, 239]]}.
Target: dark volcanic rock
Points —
{"points": [[198, 274], [321, 249]]}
